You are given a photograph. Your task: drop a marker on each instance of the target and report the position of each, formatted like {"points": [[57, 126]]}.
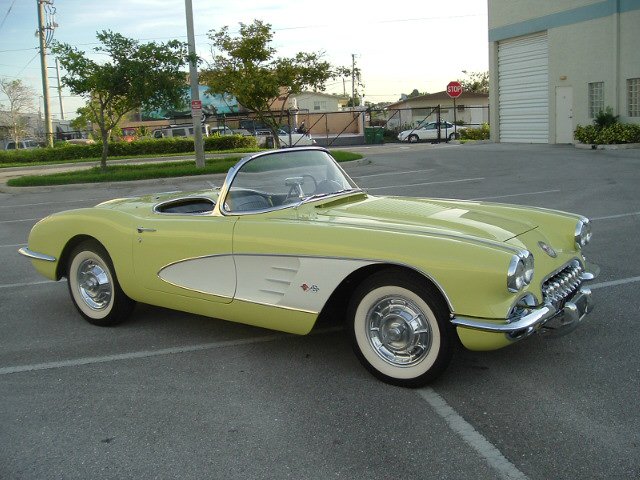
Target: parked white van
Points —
{"points": [[178, 131]]}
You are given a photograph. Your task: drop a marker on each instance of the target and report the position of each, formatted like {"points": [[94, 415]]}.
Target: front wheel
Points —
{"points": [[413, 139], [94, 287], [399, 329]]}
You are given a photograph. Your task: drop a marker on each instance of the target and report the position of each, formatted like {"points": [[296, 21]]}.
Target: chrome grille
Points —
{"points": [[563, 285]]}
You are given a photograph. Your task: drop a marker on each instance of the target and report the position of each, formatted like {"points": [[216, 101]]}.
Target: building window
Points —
{"points": [[319, 105], [596, 98], [633, 97]]}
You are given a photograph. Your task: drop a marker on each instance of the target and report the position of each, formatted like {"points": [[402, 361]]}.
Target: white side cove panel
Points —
{"points": [[213, 275], [523, 89], [300, 283]]}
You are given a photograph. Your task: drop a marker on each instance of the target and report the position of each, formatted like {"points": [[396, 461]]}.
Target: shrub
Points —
{"points": [[605, 118], [614, 133], [481, 133], [67, 152]]}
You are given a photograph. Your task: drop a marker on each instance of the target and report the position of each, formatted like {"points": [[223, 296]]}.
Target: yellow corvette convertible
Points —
{"points": [[289, 237]]}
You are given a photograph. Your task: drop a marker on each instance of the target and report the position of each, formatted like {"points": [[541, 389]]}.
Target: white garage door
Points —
{"points": [[523, 89]]}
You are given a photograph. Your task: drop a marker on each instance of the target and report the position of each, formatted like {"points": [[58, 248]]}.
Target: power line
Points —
{"points": [[28, 63], [6, 14]]}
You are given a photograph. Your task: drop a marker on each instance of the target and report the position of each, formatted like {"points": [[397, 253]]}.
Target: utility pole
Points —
{"points": [[59, 88], [196, 105], [353, 79], [48, 128]]}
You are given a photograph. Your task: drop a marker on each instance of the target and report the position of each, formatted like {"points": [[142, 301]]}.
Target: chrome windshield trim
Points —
{"points": [[233, 171], [35, 255]]}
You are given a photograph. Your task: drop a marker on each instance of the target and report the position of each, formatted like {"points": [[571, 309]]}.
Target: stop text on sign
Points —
{"points": [[454, 89]]}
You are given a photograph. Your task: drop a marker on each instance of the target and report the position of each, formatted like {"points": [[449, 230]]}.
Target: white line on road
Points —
{"points": [[155, 353], [426, 183], [392, 173], [27, 284], [14, 246], [517, 195], [614, 283], [23, 220], [622, 215], [503, 467], [91, 201], [141, 354]]}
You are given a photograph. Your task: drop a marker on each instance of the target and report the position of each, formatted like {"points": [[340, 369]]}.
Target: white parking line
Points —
{"points": [[141, 354], [426, 183], [392, 173], [503, 467], [92, 201], [26, 284], [156, 353], [622, 215], [517, 195], [23, 220], [614, 283], [14, 246]]}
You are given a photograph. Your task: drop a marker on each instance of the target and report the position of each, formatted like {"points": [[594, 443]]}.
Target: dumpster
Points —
{"points": [[369, 135], [379, 135], [373, 135]]}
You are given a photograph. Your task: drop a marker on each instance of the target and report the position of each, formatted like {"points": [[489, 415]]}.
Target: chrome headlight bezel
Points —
{"points": [[582, 235], [520, 271]]}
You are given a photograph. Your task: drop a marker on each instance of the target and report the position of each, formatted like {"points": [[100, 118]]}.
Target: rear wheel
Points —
{"points": [[94, 287], [399, 329]]}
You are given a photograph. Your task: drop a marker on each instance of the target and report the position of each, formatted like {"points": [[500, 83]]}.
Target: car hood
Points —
{"points": [[458, 218]]}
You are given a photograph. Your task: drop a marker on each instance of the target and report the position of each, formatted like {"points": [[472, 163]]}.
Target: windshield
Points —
{"points": [[285, 178]]}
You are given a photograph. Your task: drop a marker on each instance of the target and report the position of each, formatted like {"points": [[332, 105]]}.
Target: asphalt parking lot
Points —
{"points": [[173, 395]]}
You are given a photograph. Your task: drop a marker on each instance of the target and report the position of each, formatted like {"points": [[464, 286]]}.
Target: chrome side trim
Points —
{"points": [[35, 255], [370, 260]]}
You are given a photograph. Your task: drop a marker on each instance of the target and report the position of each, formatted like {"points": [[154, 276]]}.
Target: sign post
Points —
{"points": [[454, 90]]}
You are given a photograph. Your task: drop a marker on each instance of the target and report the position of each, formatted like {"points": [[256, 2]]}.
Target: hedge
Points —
{"points": [[616, 133], [66, 152], [481, 133]]}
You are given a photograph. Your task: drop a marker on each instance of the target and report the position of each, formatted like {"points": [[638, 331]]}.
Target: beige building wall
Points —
{"points": [[588, 41]]}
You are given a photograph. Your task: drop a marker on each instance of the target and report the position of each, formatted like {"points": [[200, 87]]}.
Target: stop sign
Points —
{"points": [[454, 89]]}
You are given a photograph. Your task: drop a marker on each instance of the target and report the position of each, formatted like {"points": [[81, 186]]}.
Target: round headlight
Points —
{"points": [[582, 232], [528, 267], [520, 272]]}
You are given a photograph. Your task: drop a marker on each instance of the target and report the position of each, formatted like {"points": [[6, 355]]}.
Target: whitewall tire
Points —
{"points": [[399, 328], [94, 287]]}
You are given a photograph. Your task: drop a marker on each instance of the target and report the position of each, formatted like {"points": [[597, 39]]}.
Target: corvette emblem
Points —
{"points": [[547, 249], [307, 288]]}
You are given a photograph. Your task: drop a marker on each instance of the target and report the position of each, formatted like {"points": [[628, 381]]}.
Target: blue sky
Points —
{"points": [[399, 47]]}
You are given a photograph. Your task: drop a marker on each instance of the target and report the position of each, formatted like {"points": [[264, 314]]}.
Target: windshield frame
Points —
{"points": [[222, 206]]}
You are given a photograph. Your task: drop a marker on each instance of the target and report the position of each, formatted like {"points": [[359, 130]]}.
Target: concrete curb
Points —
{"points": [[615, 146]]}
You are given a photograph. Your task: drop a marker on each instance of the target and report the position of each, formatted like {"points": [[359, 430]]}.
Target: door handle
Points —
{"points": [[143, 229]]}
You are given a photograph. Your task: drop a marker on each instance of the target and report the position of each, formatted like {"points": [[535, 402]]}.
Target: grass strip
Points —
{"points": [[124, 173], [126, 157]]}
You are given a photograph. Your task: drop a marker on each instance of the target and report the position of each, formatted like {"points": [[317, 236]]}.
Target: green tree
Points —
{"points": [[245, 67], [19, 102], [133, 74], [476, 82]]}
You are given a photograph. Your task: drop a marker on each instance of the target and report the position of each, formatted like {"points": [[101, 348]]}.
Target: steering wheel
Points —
{"points": [[328, 186], [295, 186]]}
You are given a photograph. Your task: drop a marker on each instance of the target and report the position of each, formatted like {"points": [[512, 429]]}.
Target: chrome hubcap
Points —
{"points": [[94, 285], [398, 331]]}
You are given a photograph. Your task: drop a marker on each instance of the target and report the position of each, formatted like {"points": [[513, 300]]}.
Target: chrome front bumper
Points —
{"points": [[35, 255]]}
